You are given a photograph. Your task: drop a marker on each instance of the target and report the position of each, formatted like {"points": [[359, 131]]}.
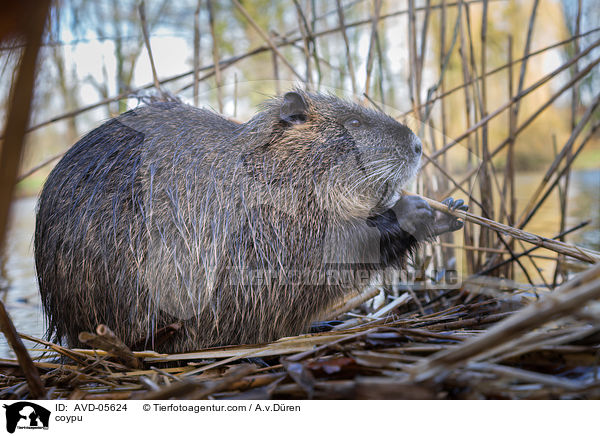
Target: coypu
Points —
{"points": [[170, 214]]}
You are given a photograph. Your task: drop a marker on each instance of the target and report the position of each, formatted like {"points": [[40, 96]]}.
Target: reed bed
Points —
{"points": [[503, 343], [504, 332]]}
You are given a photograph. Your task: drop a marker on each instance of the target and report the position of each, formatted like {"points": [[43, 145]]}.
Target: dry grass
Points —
{"points": [[508, 345]]}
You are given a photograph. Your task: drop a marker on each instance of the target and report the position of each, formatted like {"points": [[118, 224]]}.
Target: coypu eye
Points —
{"points": [[354, 122]]}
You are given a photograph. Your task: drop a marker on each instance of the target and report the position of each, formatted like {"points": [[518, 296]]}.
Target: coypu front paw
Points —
{"points": [[444, 222], [410, 221], [417, 218]]}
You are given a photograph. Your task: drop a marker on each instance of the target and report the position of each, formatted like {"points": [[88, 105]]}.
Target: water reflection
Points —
{"points": [[18, 284]]}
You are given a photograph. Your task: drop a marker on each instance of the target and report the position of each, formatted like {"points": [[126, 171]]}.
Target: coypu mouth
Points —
{"points": [[391, 186], [391, 194]]}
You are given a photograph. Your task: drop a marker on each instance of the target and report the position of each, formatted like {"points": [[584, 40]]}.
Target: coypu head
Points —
{"points": [[355, 159]]}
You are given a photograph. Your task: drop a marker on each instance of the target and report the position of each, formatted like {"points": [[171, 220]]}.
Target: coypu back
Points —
{"points": [[166, 213]]}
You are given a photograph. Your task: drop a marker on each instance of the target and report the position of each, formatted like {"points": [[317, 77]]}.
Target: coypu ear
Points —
{"points": [[294, 108]]}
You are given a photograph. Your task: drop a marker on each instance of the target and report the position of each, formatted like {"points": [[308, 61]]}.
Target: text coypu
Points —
{"points": [[167, 214]]}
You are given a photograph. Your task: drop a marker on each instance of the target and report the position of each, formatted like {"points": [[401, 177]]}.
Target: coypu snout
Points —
{"points": [[417, 146], [409, 145]]}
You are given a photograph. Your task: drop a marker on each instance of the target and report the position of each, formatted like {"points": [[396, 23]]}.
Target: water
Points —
{"points": [[19, 285], [585, 201], [583, 205], [17, 275]]}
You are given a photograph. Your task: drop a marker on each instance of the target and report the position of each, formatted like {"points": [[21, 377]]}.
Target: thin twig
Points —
{"points": [[583, 254], [144, 24], [197, 51], [215, 53], [371, 52], [36, 387], [347, 46], [267, 39], [528, 121]]}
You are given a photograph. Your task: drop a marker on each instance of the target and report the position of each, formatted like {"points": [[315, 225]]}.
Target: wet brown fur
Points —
{"points": [[149, 219]]}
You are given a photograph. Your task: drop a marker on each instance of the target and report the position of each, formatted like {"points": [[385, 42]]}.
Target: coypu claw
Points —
{"points": [[455, 204], [445, 223]]}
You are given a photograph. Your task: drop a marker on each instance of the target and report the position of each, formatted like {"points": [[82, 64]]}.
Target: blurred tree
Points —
{"points": [[118, 21], [66, 75], [589, 20]]}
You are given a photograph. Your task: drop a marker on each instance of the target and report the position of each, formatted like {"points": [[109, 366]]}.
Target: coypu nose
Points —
{"points": [[417, 145]]}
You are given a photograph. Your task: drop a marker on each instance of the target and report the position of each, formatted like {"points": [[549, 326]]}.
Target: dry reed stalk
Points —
{"points": [[215, 53], [526, 376], [380, 66], [144, 25], [349, 61], [468, 232], [528, 121], [342, 338], [471, 322], [282, 346], [563, 190], [509, 174], [485, 178], [373, 102], [475, 248], [31, 29], [36, 387], [519, 96], [256, 381], [267, 39], [40, 166], [423, 46], [397, 302], [526, 50], [566, 299], [441, 84], [371, 53], [86, 352], [574, 251], [351, 302], [78, 376], [194, 390], [567, 176], [306, 39], [412, 56], [441, 96], [75, 355], [559, 237], [196, 59], [42, 365], [534, 342], [311, 35], [535, 200], [106, 340]]}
